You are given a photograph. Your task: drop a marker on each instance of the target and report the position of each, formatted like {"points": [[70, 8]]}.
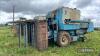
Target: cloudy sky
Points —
{"points": [[30, 8]]}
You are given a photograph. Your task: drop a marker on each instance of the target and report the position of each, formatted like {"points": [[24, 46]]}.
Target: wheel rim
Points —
{"points": [[64, 40]]}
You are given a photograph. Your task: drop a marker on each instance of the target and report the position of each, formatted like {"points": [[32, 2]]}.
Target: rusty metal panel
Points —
{"points": [[70, 13], [41, 34]]}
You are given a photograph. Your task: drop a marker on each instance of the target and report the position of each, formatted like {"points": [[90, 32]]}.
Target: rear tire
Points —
{"points": [[63, 39], [81, 39]]}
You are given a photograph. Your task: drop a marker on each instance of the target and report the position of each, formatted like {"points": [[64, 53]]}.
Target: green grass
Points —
{"points": [[9, 46]]}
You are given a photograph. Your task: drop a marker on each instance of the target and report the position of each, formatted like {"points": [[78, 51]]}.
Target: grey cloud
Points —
{"points": [[83, 3], [27, 7], [20, 5], [65, 2]]}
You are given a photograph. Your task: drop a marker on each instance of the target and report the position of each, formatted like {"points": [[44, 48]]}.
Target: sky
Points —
{"points": [[90, 9]]}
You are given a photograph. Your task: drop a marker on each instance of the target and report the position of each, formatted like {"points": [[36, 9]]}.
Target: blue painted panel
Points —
{"points": [[91, 27], [69, 26], [59, 14]]}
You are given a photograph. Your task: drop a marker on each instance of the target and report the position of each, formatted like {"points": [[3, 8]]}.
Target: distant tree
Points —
{"points": [[6, 24], [97, 28], [22, 18], [2, 25]]}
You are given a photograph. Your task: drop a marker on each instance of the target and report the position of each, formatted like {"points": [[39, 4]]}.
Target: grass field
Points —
{"points": [[9, 46]]}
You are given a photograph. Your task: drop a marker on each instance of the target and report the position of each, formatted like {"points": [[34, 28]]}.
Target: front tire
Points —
{"points": [[63, 39]]}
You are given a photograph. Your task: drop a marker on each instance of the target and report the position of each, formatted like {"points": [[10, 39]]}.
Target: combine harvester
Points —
{"points": [[63, 25]]}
